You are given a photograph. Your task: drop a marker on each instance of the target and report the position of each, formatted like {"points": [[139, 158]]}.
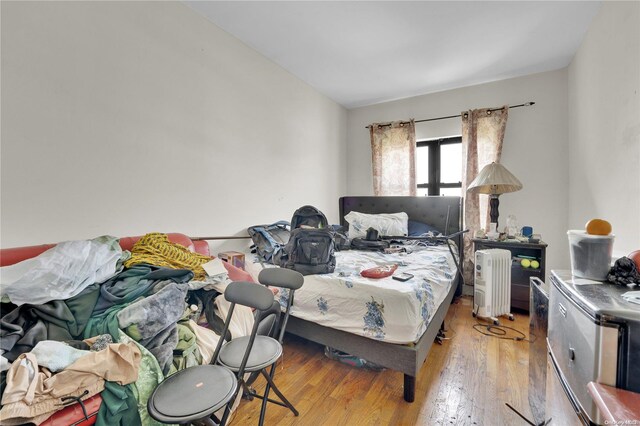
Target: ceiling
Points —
{"points": [[365, 52]]}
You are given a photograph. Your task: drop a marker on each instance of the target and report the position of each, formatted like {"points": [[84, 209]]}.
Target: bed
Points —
{"points": [[406, 340]]}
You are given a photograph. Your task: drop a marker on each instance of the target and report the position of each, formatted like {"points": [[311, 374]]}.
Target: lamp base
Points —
{"points": [[493, 204]]}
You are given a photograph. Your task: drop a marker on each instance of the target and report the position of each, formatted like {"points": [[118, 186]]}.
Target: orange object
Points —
{"points": [[635, 256], [598, 227], [379, 271]]}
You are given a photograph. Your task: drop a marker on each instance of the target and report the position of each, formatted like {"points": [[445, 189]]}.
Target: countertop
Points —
{"points": [[600, 300], [617, 406]]}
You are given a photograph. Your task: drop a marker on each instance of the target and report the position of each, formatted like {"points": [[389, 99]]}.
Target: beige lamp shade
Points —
{"points": [[494, 178]]}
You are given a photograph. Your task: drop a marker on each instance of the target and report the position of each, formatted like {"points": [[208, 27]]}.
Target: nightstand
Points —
{"points": [[519, 276]]}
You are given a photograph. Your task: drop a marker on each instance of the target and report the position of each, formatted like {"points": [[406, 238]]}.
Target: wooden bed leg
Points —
{"points": [[409, 388]]}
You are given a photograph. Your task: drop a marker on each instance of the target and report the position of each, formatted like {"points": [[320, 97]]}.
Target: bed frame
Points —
{"points": [[444, 213]]}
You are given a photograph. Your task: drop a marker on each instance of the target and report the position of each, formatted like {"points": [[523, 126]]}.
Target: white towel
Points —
{"points": [[56, 356], [632, 297]]}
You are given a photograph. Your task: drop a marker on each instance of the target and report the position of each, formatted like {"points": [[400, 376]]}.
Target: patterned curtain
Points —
{"points": [[393, 152], [482, 136]]}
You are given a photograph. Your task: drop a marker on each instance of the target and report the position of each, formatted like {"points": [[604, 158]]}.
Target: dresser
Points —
{"points": [[593, 336]]}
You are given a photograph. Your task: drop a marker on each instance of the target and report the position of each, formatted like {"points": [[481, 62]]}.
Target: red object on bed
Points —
{"points": [[379, 271], [9, 256]]}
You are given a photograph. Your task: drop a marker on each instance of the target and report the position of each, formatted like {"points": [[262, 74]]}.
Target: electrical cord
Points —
{"points": [[500, 332]]}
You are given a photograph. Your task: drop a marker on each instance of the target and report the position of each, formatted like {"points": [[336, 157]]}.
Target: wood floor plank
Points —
{"points": [[465, 381]]}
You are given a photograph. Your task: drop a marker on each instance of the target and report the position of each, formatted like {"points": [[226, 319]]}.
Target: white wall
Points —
{"points": [[535, 147], [128, 117], [604, 125]]}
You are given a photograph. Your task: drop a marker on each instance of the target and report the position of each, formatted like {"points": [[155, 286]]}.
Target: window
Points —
{"points": [[439, 166]]}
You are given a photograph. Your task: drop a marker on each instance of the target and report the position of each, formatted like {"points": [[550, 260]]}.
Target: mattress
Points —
{"points": [[382, 309]]}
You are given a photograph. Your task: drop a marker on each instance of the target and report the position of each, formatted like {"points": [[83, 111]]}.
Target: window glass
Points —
{"points": [[450, 192], [421, 192], [422, 165], [450, 163], [439, 162]]}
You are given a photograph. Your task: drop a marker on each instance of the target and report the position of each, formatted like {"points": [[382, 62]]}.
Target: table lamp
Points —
{"points": [[494, 179]]}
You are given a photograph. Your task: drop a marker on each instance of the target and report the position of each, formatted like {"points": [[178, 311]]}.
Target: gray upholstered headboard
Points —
{"points": [[443, 213]]}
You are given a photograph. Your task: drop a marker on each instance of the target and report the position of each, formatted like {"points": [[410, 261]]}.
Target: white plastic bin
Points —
{"points": [[590, 254]]}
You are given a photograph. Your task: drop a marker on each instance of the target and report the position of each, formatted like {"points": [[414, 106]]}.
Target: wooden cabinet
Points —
{"points": [[520, 276]]}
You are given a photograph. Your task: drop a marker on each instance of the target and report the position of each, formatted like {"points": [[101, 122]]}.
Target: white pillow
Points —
{"points": [[387, 224]]}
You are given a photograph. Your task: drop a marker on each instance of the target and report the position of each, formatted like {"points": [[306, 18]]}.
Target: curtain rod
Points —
{"points": [[459, 115]]}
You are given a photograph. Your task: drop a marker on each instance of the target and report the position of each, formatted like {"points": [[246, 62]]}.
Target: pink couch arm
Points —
{"points": [[202, 247], [10, 256]]}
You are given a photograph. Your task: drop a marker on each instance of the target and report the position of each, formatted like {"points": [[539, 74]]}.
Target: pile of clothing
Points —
{"points": [[87, 318]]}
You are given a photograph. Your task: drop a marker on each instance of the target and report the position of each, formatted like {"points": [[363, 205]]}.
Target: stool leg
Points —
{"points": [[227, 410], [277, 392], [267, 388]]}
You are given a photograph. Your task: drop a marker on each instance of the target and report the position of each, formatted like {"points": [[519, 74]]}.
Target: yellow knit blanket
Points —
{"points": [[156, 249]]}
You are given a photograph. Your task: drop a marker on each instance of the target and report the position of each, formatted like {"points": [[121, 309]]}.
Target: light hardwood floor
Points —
{"points": [[465, 381]]}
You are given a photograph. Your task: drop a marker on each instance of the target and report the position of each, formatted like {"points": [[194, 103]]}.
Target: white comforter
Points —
{"points": [[382, 309]]}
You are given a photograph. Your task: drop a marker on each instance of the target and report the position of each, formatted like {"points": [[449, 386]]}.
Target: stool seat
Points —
{"points": [[192, 394], [265, 351]]}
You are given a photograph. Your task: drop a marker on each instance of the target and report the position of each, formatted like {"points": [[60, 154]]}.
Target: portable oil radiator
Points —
{"points": [[492, 284]]}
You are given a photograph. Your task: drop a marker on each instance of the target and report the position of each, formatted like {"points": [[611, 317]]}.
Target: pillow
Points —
{"points": [[417, 229], [387, 224]]}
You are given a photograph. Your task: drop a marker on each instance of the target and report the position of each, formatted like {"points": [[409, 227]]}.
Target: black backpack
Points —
{"points": [[269, 240], [308, 216], [311, 249]]}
